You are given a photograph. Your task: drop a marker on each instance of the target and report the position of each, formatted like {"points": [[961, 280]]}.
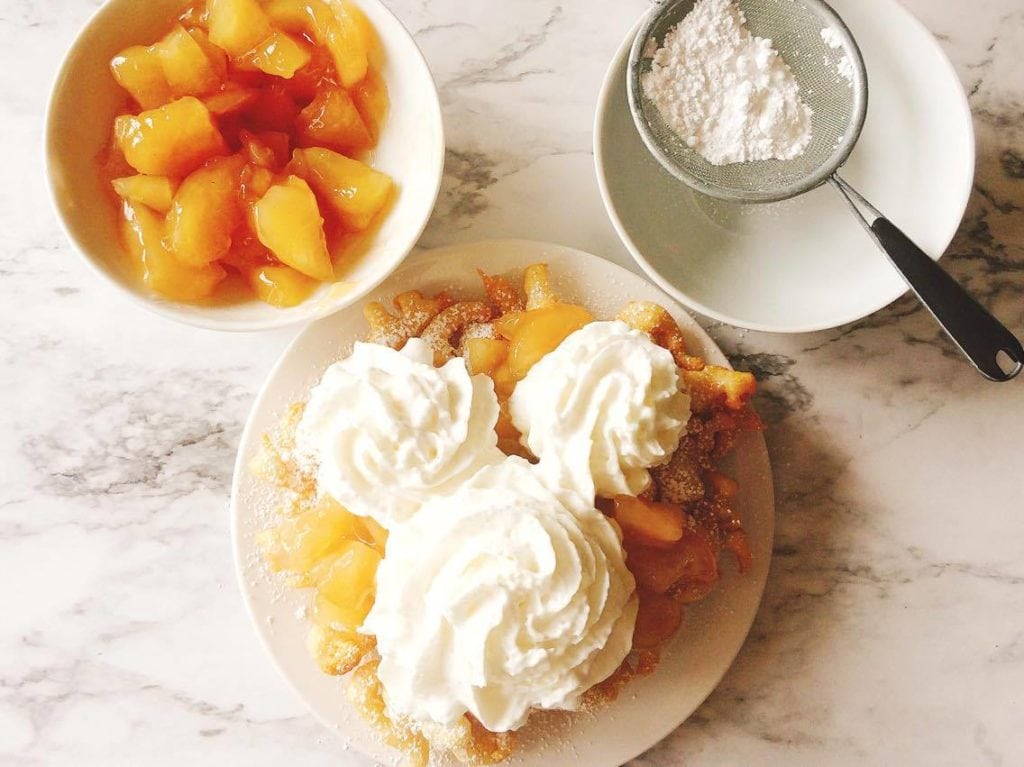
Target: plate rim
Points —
{"points": [[242, 455], [606, 96]]}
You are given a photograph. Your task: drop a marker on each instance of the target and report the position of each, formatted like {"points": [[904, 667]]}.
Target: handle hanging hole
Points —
{"points": [[1009, 364]]}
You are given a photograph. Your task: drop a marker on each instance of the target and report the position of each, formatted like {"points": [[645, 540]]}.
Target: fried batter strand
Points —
{"points": [[713, 388], [537, 284], [656, 322], [444, 330], [415, 313], [364, 690], [501, 293], [338, 652]]}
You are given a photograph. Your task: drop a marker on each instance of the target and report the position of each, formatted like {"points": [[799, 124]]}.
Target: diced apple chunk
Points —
{"points": [[292, 16], [280, 286], [353, 190], [288, 222], [689, 562], [171, 140], [371, 98], [507, 324], [332, 26], [539, 331], [217, 57], [161, 271], [280, 55], [649, 523], [268, 149], [655, 570], [206, 210], [347, 42], [156, 192], [378, 535], [237, 26], [658, 618], [332, 120], [299, 543], [318, 73], [138, 70], [256, 182], [365, 30], [346, 586], [229, 100], [483, 355], [187, 68]]}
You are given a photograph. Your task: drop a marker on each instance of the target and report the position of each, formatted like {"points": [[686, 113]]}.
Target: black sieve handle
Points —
{"points": [[980, 336]]}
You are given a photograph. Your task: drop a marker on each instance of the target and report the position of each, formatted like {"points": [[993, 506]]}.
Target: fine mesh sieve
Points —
{"points": [[839, 104]]}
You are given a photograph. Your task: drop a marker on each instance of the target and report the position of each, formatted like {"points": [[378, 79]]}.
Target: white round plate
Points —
{"points": [[713, 630], [803, 264]]}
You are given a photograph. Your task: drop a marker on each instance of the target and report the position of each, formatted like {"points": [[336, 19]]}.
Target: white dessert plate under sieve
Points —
{"points": [[713, 630], [803, 264]]}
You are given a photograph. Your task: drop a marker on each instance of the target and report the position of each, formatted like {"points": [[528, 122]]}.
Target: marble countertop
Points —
{"points": [[892, 629]]}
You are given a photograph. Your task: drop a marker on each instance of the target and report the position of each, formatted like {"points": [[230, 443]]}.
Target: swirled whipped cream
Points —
{"points": [[388, 430], [601, 409], [498, 599]]}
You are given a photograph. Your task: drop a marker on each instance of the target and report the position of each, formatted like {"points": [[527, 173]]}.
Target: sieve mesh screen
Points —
{"points": [[839, 106]]}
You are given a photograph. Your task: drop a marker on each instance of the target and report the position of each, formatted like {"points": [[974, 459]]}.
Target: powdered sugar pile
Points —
{"points": [[729, 95]]}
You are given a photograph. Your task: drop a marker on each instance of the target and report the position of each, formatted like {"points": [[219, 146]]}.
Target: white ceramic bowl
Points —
{"points": [[804, 264], [85, 100], [714, 628]]}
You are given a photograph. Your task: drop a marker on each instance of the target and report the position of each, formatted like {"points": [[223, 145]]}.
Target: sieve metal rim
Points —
{"points": [[837, 158]]}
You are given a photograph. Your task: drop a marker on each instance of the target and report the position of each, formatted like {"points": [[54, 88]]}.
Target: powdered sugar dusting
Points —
{"points": [[831, 38], [728, 94], [834, 40]]}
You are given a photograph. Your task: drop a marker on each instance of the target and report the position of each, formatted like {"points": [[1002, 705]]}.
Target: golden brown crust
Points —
{"points": [[418, 311], [470, 742], [415, 313], [275, 464], [364, 691], [714, 388], [442, 333], [661, 327], [501, 293], [338, 652], [537, 285], [720, 413]]}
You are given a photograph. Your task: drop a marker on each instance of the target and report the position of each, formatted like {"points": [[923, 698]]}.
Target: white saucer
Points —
{"points": [[713, 630], [804, 264]]}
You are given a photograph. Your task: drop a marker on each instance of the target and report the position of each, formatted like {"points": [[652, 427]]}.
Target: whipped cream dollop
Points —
{"points": [[498, 599], [389, 430], [601, 409]]}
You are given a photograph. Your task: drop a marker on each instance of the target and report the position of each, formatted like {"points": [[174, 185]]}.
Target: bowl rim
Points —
{"points": [[606, 95], [198, 316]]}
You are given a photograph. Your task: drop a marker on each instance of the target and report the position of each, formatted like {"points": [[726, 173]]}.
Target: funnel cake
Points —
{"points": [[673, 530]]}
